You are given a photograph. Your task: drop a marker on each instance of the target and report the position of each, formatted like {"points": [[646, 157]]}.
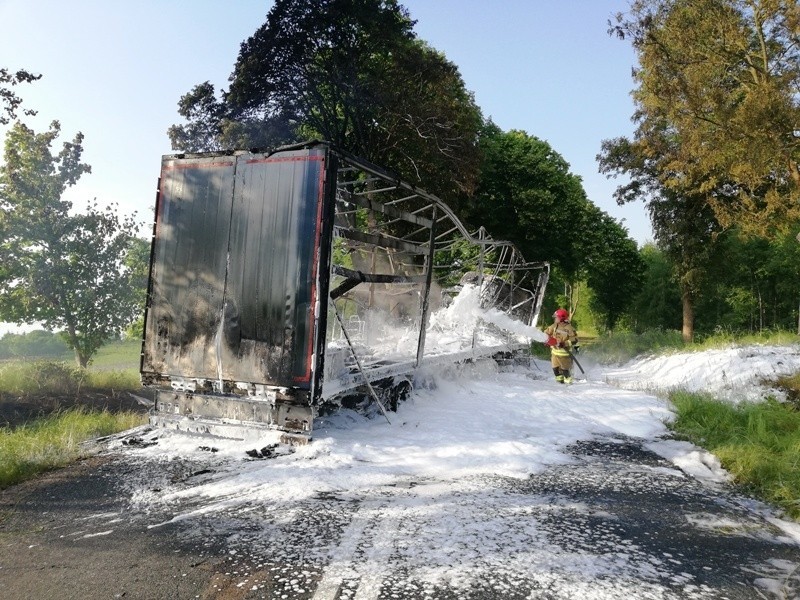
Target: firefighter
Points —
{"points": [[562, 339]]}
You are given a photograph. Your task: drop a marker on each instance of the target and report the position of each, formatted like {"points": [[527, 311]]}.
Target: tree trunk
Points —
{"points": [[687, 333], [80, 359]]}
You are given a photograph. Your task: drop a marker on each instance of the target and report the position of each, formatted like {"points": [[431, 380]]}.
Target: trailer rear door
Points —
{"points": [[235, 268]]}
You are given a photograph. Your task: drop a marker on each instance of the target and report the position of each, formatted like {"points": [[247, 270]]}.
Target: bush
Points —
{"points": [[116, 380], [40, 377], [22, 378]]}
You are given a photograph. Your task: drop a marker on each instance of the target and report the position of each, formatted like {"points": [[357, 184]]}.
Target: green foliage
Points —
{"points": [[9, 100], [463, 257], [620, 346], [754, 285], [115, 380], [683, 223], [717, 104], [137, 261], [528, 196], [657, 303], [116, 368], [713, 149], [23, 378], [116, 354], [613, 268], [55, 441], [758, 443], [66, 271], [38, 343], [135, 330], [722, 338], [747, 285], [351, 72]]}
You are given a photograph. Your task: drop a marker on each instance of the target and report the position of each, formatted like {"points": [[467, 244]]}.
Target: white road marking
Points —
{"points": [[376, 545]]}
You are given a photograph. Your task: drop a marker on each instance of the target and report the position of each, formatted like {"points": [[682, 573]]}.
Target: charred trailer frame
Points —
{"points": [[287, 281]]}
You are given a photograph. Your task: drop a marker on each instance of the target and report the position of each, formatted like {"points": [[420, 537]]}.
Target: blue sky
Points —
{"points": [[115, 71]]}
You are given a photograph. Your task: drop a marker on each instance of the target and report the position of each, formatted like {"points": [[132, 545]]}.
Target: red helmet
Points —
{"points": [[561, 314]]}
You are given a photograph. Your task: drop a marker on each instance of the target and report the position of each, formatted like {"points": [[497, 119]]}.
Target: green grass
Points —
{"points": [[30, 378], [115, 367], [116, 355], [54, 441], [620, 347], [758, 443], [24, 378], [724, 339]]}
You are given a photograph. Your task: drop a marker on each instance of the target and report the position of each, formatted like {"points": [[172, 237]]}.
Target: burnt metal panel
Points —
{"points": [[205, 413], [244, 255], [236, 267], [272, 276], [188, 266]]}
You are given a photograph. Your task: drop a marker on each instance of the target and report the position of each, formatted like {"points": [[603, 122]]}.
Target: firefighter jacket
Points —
{"points": [[566, 336]]}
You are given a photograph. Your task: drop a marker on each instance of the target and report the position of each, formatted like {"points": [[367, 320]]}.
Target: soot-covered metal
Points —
{"points": [[234, 268], [284, 282]]}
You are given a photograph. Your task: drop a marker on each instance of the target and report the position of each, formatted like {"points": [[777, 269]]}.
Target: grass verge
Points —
{"points": [[758, 443], [55, 441]]}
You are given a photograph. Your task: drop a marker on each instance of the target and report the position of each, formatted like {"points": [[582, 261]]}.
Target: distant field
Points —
{"points": [[114, 356], [119, 355], [115, 368]]}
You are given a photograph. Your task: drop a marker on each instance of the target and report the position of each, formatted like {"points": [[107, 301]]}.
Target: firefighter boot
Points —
{"points": [[567, 376], [558, 373]]}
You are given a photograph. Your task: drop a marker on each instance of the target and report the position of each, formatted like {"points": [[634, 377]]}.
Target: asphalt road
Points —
{"points": [[619, 522]]}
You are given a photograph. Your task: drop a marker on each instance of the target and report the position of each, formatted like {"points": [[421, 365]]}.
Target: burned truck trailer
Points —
{"points": [[285, 282]]}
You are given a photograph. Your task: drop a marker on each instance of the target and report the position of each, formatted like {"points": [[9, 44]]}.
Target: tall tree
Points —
{"points": [[612, 266], [723, 76], [351, 72], [683, 222], [66, 271], [527, 195], [657, 304], [137, 261], [717, 113], [9, 101]]}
